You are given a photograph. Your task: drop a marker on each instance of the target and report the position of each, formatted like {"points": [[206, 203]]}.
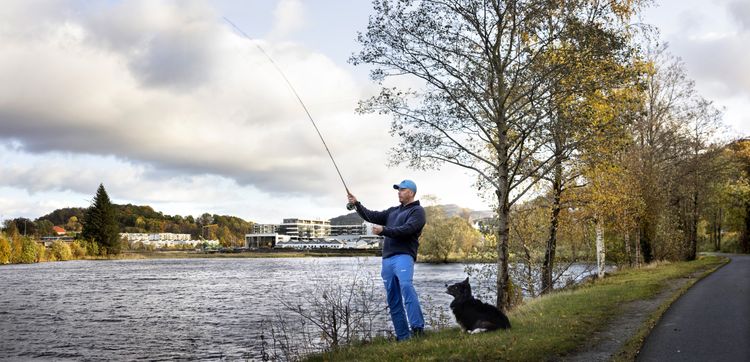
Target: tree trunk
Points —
{"points": [[503, 285], [718, 231], [600, 252], [628, 255], [503, 211], [638, 247], [549, 252], [693, 228], [529, 271], [715, 232], [645, 241]]}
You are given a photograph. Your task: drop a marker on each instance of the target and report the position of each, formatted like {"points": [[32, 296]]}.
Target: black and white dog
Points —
{"points": [[472, 314]]}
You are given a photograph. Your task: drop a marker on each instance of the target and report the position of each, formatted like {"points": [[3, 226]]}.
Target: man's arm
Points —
{"points": [[413, 224], [375, 217]]}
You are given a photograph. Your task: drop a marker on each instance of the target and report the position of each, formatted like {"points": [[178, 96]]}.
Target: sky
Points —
{"points": [[167, 105]]}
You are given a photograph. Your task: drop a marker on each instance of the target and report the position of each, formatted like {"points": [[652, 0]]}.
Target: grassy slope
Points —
{"points": [[545, 327]]}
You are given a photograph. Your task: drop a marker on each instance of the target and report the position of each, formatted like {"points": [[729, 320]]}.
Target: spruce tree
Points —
{"points": [[100, 224]]}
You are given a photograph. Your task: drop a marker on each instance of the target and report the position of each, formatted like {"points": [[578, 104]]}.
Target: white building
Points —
{"points": [[312, 244], [355, 229], [267, 240], [162, 240], [265, 228], [298, 233], [305, 229]]}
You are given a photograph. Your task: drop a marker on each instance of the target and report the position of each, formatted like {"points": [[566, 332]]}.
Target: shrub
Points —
{"points": [[26, 251], [78, 250], [4, 250], [92, 247], [41, 252], [61, 251]]}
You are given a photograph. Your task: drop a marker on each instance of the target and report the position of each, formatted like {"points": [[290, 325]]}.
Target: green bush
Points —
{"points": [[77, 250], [26, 251], [61, 251], [92, 248], [41, 252]]}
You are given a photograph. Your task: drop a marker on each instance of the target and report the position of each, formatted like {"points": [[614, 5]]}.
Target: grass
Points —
{"points": [[543, 328]]}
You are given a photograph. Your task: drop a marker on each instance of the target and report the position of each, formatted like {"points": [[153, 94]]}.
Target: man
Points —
{"points": [[401, 226]]}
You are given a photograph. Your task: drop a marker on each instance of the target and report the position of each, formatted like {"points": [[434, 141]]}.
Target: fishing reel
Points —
{"points": [[350, 206]]}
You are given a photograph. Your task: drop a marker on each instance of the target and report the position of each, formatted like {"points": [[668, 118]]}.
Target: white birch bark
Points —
{"points": [[600, 252]]}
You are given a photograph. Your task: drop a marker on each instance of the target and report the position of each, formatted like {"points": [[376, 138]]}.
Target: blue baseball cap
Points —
{"points": [[406, 184]]}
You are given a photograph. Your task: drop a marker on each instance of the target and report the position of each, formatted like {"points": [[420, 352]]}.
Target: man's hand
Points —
{"points": [[377, 229], [352, 199]]}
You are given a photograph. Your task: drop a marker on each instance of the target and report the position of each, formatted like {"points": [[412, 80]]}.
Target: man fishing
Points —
{"points": [[401, 226]]}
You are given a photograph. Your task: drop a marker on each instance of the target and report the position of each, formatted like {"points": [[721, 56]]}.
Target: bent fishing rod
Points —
{"points": [[349, 206]]}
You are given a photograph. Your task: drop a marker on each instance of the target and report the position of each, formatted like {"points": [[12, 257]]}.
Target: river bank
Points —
{"points": [[555, 326]]}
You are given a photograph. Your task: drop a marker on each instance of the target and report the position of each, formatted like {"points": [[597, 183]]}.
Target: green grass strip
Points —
{"points": [[543, 328]]}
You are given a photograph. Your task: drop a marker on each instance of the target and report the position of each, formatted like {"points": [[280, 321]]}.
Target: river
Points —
{"points": [[172, 309]]}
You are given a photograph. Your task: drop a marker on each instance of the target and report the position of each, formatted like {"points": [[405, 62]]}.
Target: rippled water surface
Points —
{"points": [[169, 309], [162, 309]]}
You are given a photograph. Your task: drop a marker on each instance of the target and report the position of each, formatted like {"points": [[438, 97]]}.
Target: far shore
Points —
{"points": [[260, 253], [280, 253]]}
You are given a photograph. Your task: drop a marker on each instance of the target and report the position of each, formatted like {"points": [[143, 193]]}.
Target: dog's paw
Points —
{"points": [[478, 330]]}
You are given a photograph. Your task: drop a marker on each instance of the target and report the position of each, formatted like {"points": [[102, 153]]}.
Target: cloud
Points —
{"points": [[163, 45], [739, 10], [166, 105], [172, 87], [288, 18], [711, 38], [714, 61]]}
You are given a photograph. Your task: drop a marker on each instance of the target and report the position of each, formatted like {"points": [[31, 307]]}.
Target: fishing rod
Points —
{"points": [[349, 206]]}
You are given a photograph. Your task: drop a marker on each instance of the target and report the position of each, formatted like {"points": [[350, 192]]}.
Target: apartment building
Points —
{"points": [[305, 229]]}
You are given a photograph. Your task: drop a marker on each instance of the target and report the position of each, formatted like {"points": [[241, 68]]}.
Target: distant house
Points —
{"points": [[162, 240], [59, 231], [265, 240]]}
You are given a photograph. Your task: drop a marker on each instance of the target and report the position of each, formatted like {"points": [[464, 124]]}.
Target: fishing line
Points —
{"points": [[294, 91]]}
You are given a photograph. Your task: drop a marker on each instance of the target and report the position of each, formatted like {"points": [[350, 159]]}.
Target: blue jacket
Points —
{"points": [[402, 226]]}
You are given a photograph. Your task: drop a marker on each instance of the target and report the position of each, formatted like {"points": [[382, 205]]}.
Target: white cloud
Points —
{"points": [[716, 62], [288, 18], [740, 12], [166, 105], [711, 38], [129, 91]]}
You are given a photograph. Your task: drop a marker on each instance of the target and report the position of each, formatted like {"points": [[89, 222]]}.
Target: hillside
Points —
{"points": [[230, 230], [348, 219], [455, 210], [450, 210]]}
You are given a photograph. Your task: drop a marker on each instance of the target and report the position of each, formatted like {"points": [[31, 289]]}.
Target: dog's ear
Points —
{"points": [[466, 281]]}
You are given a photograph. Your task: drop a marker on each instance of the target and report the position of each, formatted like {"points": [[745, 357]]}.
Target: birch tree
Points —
{"points": [[482, 79]]}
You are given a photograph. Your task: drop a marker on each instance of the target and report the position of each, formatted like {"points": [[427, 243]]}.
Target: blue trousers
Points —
{"points": [[398, 273]]}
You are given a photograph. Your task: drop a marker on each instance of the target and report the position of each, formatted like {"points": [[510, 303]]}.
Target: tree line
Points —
{"points": [[96, 230], [583, 131]]}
